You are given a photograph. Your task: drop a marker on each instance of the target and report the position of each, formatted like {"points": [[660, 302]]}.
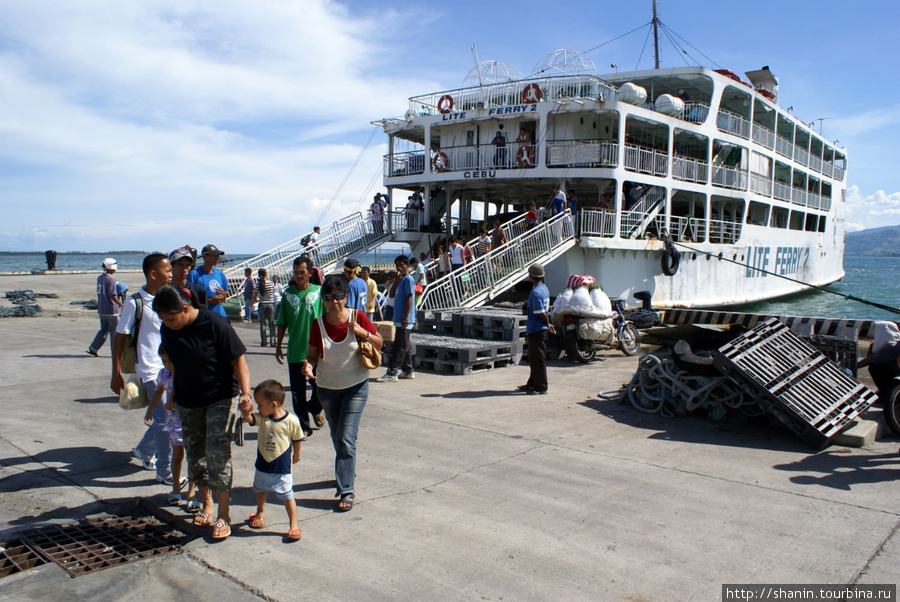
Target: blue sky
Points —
{"points": [[148, 125]]}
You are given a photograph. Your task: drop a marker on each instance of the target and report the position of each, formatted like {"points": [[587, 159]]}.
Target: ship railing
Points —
{"points": [[646, 160], [513, 93], [723, 231], [513, 228], [732, 123], [493, 273], [695, 112], [839, 173], [514, 155], [801, 156], [583, 153], [815, 163], [784, 147], [798, 196], [763, 136], [637, 219], [827, 169], [687, 229], [404, 164], [781, 191], [690, 170], [729, 177], [338, 240], [814, 200], [597, 222], [760, 184]]}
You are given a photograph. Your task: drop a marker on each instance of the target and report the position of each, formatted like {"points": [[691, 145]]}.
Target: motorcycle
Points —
{"points": [[890, 399], [583, 337]]}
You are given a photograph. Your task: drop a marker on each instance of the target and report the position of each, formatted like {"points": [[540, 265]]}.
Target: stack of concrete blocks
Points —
{"points": [[467, 341]]}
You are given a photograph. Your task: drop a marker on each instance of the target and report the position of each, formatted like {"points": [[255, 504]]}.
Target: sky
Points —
{"points": [[145, 125]]}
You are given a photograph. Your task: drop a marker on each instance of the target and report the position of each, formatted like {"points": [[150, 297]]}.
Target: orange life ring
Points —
{"points": [[440, 162], [532, 94], [445, 104], [525, 156]]}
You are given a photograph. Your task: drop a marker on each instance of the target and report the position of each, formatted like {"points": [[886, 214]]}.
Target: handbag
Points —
{"points": [[134, 394], [370, 356], [419, 289]]}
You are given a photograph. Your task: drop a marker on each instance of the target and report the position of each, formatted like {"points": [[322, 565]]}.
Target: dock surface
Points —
{"points": [[465, 489]]}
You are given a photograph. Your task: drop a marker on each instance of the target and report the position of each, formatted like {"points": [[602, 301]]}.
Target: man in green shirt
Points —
{"points": [[300, 305]]}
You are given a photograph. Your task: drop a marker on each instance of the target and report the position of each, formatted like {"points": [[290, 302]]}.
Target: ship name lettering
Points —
{"points": [[758, 259], [485, 173], [787, 259], [453, 116], [514, 109]]}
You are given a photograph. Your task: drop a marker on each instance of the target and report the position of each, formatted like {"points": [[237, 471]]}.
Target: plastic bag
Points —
{"points": [[595, 329], [134, 394], [601, 301]]}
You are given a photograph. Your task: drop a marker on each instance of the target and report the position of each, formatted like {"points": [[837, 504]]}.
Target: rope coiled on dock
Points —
{"points": [[660, 387]]}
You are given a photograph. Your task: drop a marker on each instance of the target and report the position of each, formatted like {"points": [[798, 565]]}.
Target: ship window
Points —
{"points": [[779, 217], [821, 223], [758, 214], [812, 222], [797, 218]]}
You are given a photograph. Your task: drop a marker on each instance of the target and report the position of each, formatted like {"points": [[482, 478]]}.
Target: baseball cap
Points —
{"points": [[181, 253], [110, 264], [211, 250]]}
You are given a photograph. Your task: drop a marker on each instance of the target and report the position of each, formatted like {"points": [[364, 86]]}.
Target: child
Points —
{"points": [[279, 435], [173, 426]]}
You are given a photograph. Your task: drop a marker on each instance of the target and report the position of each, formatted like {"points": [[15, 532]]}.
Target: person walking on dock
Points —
{"points": [[212, 278], [401, 365], [109, 306]]}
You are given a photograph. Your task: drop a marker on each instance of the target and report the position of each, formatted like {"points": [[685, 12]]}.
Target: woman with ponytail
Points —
{"points": [[211, 376], [265, 294]]}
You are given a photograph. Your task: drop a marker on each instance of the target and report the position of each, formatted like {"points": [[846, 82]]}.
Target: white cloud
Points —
{"points": [[143, 125], [874, 210]]}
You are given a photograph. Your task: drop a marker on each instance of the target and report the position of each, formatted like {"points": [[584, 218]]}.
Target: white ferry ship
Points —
{"points": [[691, 183]]}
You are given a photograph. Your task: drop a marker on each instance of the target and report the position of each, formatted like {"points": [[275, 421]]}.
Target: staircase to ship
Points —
{"points": [[477, 282]]}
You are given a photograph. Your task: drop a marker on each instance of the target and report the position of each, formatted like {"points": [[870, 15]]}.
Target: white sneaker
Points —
{"points": [[387, 378], [407, 375], [147, 463], [170, 480]]}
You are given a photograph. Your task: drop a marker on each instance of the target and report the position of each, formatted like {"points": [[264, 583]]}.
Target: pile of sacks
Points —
{"points": [[584, 299]]}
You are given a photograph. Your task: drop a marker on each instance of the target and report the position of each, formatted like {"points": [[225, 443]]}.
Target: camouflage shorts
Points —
{"points": [[207, 433]]}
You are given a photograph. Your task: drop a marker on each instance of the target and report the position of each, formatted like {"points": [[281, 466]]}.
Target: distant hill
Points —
{"points": [[874, 242]]}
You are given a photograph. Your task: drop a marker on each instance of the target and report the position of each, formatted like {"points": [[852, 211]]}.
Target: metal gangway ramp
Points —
{"points": [[351, 235], [493, 273]]}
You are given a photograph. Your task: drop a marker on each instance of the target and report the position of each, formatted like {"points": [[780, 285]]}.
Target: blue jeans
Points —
{"points": [[267, 324], [248, 309], [155, 441], [107, 327], [344, 408]]}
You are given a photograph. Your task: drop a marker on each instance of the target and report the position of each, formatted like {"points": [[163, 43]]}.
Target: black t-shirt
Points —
{"points": [[202, 353], [199, 290]]}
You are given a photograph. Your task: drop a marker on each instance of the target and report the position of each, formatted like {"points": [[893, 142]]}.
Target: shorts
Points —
{"points": [[173, 425], [281, 484]]}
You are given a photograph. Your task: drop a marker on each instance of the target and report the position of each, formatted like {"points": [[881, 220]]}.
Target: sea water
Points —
{"points": [[875, 279]]}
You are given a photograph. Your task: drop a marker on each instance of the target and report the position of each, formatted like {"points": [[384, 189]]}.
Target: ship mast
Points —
{"points": [[655, 36]]}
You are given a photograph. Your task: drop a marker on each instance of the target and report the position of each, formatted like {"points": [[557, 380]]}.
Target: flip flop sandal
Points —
{"points": [[319, 419], [203, 519], [194, 506], [345, 503], [255, 521], [294, 534], [221, 530], [175, 499]]}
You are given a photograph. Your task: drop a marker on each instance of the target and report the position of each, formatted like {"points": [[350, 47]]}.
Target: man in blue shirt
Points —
{"points": [[212, 278], [109, 305], [357, 290], [401, 365], [537, 328]]}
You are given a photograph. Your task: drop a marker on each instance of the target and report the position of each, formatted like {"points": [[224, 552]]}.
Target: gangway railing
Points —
{"points": [[637, 218], [351, 235], [493, 273]]}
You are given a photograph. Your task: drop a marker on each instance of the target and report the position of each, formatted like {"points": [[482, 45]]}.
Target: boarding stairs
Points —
{"points": [[352, 235], [493, 273], [638, 218]]}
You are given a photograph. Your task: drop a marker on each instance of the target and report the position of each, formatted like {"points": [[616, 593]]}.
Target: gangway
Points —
{"points": [[351, 235], [493, 273], [638, 218]]}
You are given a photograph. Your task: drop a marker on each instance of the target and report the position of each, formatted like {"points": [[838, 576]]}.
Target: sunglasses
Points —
{"points": [[334, 297]]}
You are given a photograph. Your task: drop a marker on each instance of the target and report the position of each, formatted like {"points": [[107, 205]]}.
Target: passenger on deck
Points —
{"points": [[499, 142]]}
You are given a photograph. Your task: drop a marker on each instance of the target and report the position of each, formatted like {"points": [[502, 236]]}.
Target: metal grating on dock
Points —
{"points": [[808, 393]]}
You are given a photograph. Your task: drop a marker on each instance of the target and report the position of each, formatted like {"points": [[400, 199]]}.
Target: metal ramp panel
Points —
{"points": [[493, 273], [636, 220]]}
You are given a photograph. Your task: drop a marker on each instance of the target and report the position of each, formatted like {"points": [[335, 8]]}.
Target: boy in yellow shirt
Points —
{"points": [[278, 447]]}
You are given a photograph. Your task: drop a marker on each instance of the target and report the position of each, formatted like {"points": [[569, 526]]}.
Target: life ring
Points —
{"points": [[532, 94], [670, 260], [525, 156], [445, 104], [440, 162]]}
